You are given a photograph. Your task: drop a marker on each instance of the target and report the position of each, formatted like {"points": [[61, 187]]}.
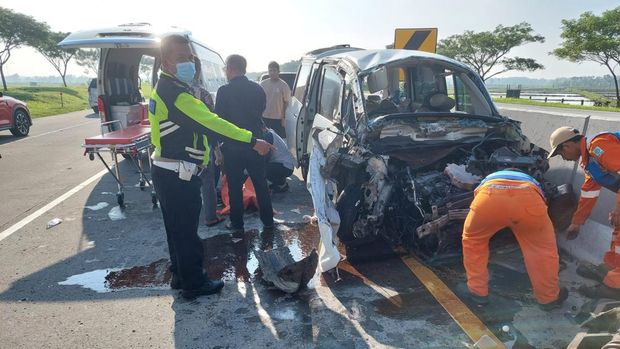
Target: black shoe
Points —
{"points": [[556, 303], [592, 272], [600, 291], [207, 288], [234, 230]]}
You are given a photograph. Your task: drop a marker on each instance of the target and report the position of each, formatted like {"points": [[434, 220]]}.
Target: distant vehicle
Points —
{"points": [[129, 51], [288, 77], [92, 95], [14, 116]]}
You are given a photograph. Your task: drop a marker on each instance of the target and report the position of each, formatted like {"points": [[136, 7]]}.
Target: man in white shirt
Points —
{"points": [[278, 97]]}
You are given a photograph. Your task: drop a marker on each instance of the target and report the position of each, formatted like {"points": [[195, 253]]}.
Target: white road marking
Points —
{"points": [[15, 227], [49, 132]]}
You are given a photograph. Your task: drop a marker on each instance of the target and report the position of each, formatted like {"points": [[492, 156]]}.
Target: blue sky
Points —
{"points": [[283, 30]]}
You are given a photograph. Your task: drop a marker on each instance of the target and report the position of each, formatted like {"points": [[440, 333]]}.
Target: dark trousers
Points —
{"points": [[275, 125], [236, 160], [180, 206], [277, 173]]}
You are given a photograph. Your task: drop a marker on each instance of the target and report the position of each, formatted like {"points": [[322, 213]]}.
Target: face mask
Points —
{"points": [[186, 72]]}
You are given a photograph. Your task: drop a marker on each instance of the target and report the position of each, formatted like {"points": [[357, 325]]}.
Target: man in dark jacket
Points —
{"points": [[242, 102]]}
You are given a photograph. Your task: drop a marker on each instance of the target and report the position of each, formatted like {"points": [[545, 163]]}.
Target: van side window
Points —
{"points": [[331, 88]]}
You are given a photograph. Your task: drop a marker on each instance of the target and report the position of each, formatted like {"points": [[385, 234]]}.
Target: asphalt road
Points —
{"points": [[54, 293]]}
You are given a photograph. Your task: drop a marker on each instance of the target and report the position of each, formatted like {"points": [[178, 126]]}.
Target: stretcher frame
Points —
{"points": [[130, 142]]}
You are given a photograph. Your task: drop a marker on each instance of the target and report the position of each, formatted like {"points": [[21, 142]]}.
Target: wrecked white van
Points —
{"points": [[404, 136]]}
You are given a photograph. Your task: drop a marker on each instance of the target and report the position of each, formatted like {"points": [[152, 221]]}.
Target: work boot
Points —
{"points": [[479, 301], [600, 291], [592, 272], [556, 303], [207, 288]]}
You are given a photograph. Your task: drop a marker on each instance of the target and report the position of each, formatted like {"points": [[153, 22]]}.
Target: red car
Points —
{"points": [[14, 116]]}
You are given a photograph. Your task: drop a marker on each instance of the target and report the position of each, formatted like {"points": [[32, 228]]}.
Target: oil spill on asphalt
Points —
{"points": [[227, 257], [418, 304], [156, 274]]}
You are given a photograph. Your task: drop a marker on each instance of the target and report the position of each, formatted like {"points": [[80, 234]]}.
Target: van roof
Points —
{"points": [[368, 60], [139, 35]]}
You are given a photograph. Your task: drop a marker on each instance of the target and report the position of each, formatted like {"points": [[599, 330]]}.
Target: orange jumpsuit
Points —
{"points": [[519, 205], [605, 148]]}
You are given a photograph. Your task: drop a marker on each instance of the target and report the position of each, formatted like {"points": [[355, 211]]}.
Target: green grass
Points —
{"points": [[45, 100], [550, 104]]}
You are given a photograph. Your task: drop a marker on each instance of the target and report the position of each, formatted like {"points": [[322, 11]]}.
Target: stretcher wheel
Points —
{"points": [[91, 156], [154, 199], [120, 198], [142, 184]]}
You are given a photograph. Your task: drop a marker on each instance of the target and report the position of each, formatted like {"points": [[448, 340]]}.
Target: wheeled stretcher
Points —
{"points": [[130, 142]]}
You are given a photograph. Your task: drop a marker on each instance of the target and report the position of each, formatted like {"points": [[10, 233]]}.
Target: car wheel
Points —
{"points": [[21, 123], [348, 207]]}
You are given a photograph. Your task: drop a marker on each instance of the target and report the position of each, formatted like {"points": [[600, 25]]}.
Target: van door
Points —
{"points": [[326, 120], [303, 123], [298, 95]]}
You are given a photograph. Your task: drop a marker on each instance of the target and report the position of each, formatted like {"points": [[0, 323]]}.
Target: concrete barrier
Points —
{"points": [[537, 124]]}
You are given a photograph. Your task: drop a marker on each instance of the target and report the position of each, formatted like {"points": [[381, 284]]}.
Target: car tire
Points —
{"points": [[21, 123], [348, 206]]}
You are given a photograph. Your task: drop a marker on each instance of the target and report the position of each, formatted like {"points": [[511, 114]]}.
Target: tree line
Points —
{"points": [[17, 30], [587, 38]]}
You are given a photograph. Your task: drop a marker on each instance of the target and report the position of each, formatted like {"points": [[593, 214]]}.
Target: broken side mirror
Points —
{"points": [[378, 80]]}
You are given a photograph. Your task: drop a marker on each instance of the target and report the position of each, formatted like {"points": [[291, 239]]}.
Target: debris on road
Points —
{"points": [[98, 206], [116, 213], [54, 222], [282, 271]]}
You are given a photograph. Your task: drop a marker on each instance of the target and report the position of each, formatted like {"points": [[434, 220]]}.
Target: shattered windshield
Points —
{"points": [[422, 87]]}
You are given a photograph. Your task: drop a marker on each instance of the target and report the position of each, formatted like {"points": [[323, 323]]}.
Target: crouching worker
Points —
{"points": [[280, 163], [600, 160], [515, 200]]}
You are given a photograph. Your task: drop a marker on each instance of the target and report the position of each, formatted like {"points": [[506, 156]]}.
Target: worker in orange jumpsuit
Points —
{"points": [[515, 200], [600, 160]]}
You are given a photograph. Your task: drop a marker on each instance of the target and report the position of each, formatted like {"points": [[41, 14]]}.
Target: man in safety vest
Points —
{"points": [[180, 124], [600, 161], [515, 200]]}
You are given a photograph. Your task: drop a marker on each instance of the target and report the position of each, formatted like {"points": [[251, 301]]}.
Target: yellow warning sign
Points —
{"points": [[422, 39]]}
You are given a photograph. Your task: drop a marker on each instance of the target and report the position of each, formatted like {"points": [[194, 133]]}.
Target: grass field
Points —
{"points": [[46, 100], [555, 105]]}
